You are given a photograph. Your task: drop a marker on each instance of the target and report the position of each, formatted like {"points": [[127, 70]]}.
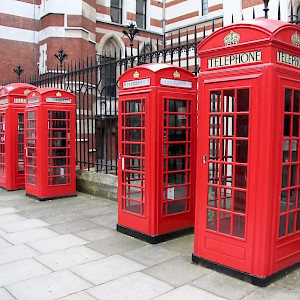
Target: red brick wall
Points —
{"points": [[250, 3], [14, 53]]}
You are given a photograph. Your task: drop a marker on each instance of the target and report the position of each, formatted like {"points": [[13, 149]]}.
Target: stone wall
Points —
{"points": [[97, 184]]}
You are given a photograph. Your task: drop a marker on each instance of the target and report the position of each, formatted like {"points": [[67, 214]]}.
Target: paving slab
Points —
{"points": [[190, 293], [48, 287], [291, 280], [177, 271], [4, 243], [23, 225], [73, 226], [107, 220], [8, 210], [183, 245], [106, 269], [150, 255], [70, 257], [14, 253], [97, 234], [273, 292], [134, 287], [10, 218], [57, 243], [21, 270], [78, 296], [5, 295], [117, 244], [224, 285], [26, 236]]}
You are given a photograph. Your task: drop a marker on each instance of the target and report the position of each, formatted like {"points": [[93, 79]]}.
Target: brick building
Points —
{"points": [[32, 31]]}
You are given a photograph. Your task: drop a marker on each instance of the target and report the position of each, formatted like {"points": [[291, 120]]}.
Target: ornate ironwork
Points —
{"points": [[266, 9], [19, 70], [61, 56]]}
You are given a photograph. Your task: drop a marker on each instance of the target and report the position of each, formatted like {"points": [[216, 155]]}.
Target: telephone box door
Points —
{"points": [[31, 177], [132, 164], [225, 209]]}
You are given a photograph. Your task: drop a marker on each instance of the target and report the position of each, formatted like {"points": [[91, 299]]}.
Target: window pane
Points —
{"points": [[243, 100], [225, 219], [240, 202], [212, 219], [239, 226], [228, 101], [242, 124], [212, 196]]}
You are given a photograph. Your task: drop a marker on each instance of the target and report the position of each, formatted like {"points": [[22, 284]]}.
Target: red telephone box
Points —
{"points": [[50, 144], [12, 105], [157, 131], [248, 184]]}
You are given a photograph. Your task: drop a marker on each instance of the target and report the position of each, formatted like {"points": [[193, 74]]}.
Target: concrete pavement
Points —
{"points": [[69, 249]]}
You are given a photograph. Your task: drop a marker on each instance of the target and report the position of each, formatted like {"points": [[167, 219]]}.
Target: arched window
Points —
{"points": [[145, 54], [108, 70]]}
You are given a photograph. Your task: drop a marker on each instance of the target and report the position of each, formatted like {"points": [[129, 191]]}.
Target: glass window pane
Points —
{"points": [[296, 126], [291, 223], [298, 221], [228, 101], [292, 199], [225, 220], [240, 202], [176, 207], [215, 123], [214, 149], [212, 196], [242, 124], [227, 174], [227, 150], [295, 151], [241, 151], [285, 174], [283, 201], [241, 176], [212, 219], [287, 125], [287, 101], [243, 100], [282, 225], [239, 226], [296, 101], [285, 152], [226, 199], [215, 101], [294, 173], [228, 126], [213, 170]]}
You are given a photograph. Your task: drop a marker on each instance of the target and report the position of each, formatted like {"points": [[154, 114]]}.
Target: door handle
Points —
{"points": [[204, 159]]}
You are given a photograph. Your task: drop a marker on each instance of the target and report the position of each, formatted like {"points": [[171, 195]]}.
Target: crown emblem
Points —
{"points": [[136, 74], [176, 74], [26, 92], [33, 94], [58, 94], [232, 38], [296, 39]]}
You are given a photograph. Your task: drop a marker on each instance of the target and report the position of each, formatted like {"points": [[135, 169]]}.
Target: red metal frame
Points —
{"points": [[249, 152], [157, 131], [50, 144], [12, 105]]}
